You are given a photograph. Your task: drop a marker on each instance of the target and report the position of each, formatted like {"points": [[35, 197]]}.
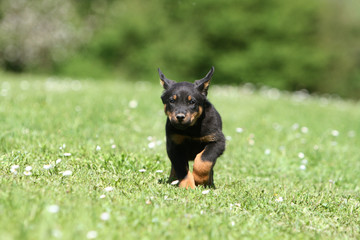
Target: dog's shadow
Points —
{"points": [[165, 180], [169, 181]]}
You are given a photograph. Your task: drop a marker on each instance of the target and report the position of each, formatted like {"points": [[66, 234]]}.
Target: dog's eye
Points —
{"points": [[192, 101], [171, 100]]}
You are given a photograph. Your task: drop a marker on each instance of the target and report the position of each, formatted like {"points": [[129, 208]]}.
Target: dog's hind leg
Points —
{"points": [[185, 177], [172, 176], [180, 169], [187, 181]]}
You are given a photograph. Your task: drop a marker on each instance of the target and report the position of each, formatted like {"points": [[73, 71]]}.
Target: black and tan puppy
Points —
{"points": [[193, 131]]}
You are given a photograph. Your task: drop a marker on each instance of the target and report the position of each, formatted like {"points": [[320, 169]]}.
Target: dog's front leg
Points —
{"points": [[204, 163]]}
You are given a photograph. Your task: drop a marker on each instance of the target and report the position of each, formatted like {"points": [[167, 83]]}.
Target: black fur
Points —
{"points": [[193, 125]]}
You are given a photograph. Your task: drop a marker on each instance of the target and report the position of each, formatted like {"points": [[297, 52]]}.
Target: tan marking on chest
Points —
{"points": [[177, 138], [206, 139]]}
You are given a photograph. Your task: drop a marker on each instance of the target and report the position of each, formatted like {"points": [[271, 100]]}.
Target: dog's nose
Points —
{"points": [[180, 117]]}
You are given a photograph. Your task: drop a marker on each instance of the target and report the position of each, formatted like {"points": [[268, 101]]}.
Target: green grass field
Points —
{"points": [[87, 160]]}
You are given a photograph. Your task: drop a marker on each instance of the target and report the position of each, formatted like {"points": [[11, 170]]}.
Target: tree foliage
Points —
{"points": [[285, 44]]}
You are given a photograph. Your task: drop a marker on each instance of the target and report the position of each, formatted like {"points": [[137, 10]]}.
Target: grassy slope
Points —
{"points": [[261, 164]]}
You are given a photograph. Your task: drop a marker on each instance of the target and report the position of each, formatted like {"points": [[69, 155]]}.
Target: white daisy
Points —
{"points": [[133, 104], [57, 233], [53, 208], [205, 191], [295, 126], [48, 166], [67, 173], [335, 133], [175, 182], [239, 130], [108, 189], [91, 235], [14, 167], [304, 130], [105, 216], [151, 145], [301, 155]]}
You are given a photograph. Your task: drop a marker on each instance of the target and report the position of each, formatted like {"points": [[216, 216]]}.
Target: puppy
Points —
{"points": [[193, 131]]}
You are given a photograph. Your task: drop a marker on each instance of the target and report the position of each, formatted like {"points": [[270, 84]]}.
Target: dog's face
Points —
{"points": [[184, 101]]}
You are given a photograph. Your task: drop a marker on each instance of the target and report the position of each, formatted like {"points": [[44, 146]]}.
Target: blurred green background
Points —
{"points": [[290, 45]]}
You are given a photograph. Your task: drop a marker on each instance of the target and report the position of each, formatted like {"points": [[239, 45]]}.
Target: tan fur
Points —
{"points": [[188, 181], [202, 170], [171, 115], [195, 116], [178, 139], [206, 85], [206, 139]]}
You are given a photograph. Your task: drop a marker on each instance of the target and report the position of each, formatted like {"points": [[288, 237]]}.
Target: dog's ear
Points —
{"points": [[203, 84], [166, 83]]}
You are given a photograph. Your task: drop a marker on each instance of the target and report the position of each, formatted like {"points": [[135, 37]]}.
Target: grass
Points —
{"points": [[290, 171]]}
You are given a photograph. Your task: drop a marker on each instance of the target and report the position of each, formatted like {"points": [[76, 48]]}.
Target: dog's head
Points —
{"points": [[184, 101]]}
